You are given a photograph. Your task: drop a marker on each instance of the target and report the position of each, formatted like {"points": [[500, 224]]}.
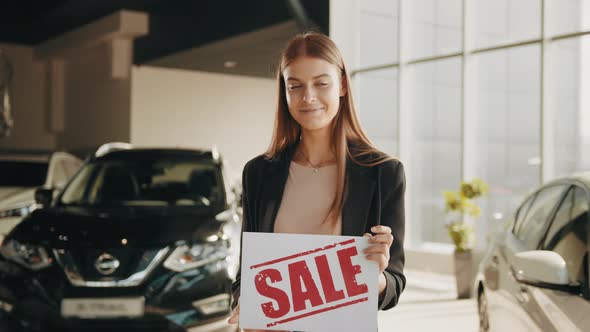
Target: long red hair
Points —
{"points": [[346, 126]]}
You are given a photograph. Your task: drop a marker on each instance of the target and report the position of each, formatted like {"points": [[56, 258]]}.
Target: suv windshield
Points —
{"points": [[146, 182], [22, 173]]}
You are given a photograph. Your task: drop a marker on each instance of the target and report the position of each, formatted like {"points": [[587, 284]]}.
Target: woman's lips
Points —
{"points": [[311, 110]]}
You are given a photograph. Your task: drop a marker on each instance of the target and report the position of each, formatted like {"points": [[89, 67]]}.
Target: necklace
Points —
{"points": [[316, 167]]}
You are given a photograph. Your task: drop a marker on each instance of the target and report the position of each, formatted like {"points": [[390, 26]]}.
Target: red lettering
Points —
{"points": [[349, 272], [330, 293], [276, 294], [298, 273]]}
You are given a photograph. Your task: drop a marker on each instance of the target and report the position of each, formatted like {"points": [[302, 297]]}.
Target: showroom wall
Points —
{"points": [[171, 107], [96, 104], [28, 102], [73, 91]]}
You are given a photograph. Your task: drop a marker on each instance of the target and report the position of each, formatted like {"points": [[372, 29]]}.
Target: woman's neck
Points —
{"points": [[316, 146]]}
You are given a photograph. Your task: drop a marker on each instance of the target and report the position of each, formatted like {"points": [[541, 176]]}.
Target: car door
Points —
{"points": [[508, 306], [495, 262], [560, 310]]}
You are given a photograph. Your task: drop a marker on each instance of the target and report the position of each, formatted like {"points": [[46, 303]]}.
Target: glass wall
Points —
{"points": [[377, 107], [498, 22], [498, 90], [567, 16], [436, 141], [378, 19], [570, 102], [436, 26], [507, 112]]}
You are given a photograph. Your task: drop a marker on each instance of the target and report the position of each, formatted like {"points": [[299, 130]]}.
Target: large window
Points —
{"points": [[493, 89], [436, 141], [570, 102], [378, 16], [436, 27], [507, 108], [498, 22], [567, 16], [378, 107]]}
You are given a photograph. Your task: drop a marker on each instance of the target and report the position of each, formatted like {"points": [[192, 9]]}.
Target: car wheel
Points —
{"points": [[482, 305]]}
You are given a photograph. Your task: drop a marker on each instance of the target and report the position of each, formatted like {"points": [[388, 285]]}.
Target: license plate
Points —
{"points": [[88, 308]]}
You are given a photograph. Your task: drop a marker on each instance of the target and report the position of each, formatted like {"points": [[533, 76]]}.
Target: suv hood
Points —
{"points": [[65, 227]]}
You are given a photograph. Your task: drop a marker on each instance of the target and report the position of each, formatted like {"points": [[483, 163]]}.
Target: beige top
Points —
{"points": [[306, 201]]}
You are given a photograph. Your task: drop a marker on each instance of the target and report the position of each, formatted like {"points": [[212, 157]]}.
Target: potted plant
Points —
{"points": [[459, 204]]}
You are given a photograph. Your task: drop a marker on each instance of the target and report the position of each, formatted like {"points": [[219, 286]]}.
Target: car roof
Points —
{"points": [[138, 153], [582, 177]]}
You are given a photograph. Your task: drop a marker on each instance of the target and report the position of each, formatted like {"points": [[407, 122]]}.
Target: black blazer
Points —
{"points": [[373, 196]]}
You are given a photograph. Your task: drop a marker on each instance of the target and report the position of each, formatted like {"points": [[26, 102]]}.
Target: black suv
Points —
{"points": [[139, 238]]}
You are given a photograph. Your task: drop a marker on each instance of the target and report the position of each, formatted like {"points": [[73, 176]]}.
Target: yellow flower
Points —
{"points": [[453, 201], [467, 190], [462, 201], [472, 209], [461, 235], [480, 186]]}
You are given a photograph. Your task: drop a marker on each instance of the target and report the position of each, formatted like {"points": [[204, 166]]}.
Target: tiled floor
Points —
{"points": [[429, 304]]}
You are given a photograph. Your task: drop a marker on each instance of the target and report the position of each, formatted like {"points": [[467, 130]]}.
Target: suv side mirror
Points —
{"points": [[237, 191], [43, 196]]}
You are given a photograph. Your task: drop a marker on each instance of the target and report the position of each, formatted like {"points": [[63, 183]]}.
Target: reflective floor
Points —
{"points": [[429, 304]]}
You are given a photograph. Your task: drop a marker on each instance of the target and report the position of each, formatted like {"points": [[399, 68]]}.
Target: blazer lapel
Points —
{"points": [[272, 190], [359, 193]]}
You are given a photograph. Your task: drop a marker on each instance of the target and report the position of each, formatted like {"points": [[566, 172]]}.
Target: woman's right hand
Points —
{"points": [[234, 318]]}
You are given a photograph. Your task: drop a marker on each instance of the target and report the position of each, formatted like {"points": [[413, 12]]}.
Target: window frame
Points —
{"points": [[528, 201], [550, 216], [572, 186], [541, 245]]}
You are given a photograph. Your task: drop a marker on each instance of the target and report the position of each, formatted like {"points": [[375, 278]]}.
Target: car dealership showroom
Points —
{"points": [[131, 199]]}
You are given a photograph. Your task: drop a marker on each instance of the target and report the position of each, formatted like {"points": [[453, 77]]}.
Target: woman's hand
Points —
{"points": [[380, 244], [234, 318], [378, 251], [235, 314]]}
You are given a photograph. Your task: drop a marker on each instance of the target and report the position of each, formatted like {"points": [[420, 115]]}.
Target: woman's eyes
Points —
{"points": [[318, 84], [295, 87]]}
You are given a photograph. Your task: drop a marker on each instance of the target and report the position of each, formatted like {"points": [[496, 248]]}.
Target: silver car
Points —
{"points": [[534, 276], [22, 173]]}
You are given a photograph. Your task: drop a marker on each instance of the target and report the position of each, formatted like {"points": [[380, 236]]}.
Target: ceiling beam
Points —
{"points": [[120, 25]]}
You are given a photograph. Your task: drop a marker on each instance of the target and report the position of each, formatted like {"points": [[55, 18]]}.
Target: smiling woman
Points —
{"points": [[313, 92], [321, 174]]}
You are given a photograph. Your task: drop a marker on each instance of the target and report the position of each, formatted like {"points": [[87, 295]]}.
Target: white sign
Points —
{"points": [[312, 283]]}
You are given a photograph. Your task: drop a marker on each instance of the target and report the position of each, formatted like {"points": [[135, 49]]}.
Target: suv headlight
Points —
{"points": [[30, 256], [22, 211], [186, 257]]}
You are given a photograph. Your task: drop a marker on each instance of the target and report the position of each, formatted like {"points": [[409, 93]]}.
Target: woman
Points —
{"points": [[321, 174]]}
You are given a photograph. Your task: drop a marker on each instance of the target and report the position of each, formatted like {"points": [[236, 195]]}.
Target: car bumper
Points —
{"points": [[171, 308]]}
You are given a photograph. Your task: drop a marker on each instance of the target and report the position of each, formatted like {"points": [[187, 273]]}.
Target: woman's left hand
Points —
{"points": [[378, 251]]}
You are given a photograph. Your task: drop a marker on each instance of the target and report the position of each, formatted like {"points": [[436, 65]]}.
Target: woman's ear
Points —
{"points": [[343, 86]]}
